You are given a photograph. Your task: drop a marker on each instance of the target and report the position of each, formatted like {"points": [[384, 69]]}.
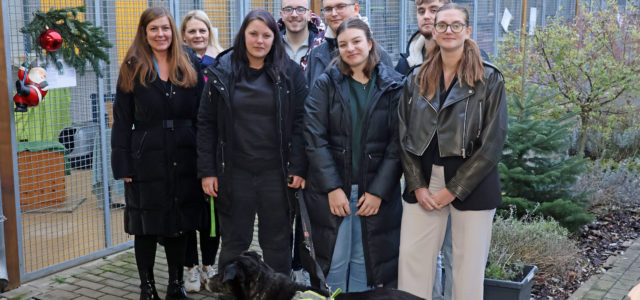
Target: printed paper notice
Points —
{"points": [[533, 18], [57, 79], [506, 19]]}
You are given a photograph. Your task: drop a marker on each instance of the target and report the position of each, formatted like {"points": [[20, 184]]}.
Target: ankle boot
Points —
{"points": [[176, 290], [148, 286]]}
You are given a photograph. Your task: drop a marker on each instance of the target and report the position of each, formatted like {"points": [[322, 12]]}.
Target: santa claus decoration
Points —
{"points": [[31, 87]]}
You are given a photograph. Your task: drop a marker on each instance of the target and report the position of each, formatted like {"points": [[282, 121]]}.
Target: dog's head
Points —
{"points": [[241, 277]]}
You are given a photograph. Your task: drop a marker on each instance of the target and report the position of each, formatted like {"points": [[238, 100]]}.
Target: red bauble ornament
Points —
{"points": [[50, 40]]}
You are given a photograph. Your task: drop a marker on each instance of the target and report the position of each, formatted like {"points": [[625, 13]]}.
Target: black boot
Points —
{"points": [[176, 290], [148, 286]]}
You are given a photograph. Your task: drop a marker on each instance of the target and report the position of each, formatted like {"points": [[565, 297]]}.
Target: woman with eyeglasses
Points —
{"points": [[353, 191], [250, 144], [453, 123]]}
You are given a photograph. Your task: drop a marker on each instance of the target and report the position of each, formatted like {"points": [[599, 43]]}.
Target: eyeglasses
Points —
{"points": [[338, 8], [456, 27], [299, 10]]}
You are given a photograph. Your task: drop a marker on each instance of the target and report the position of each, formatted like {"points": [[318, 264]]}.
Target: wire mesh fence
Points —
{"points": [[69, 202]]}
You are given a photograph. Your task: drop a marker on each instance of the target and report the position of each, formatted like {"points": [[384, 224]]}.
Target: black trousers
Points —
{"points": [[208, 246], [263, 193], [145, 252]]}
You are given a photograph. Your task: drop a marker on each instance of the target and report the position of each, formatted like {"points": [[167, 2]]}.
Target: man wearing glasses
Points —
{"points": [[335, 12], [301, 30]]}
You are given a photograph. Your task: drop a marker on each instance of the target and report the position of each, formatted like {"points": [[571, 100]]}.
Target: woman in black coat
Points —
{"points": [[250, 140], [352, 146], [154, 147]]}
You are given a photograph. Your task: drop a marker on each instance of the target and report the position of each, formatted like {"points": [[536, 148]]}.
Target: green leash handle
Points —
{"points": [[212, 231]]}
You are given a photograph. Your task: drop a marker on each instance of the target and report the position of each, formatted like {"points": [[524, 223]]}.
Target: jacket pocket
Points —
{"points": [[138, 151]]}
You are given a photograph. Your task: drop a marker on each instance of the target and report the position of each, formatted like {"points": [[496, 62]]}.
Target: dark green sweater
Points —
{"points": [[360, 96]]}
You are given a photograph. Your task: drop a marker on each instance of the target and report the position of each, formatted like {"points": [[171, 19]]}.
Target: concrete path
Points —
{"points": [[623, 275]]}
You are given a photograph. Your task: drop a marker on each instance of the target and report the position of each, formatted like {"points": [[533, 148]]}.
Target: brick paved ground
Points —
{"points": [[623, 275], [112, 277], [116, 277]]}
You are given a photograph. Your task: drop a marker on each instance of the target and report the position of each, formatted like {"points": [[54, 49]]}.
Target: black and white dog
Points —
{"points": [[248, 277]]}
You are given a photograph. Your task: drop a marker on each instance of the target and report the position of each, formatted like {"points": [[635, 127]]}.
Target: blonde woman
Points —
{"points": [[197, 33]]}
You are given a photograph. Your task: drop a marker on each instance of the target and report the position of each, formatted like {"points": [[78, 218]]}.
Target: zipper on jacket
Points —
{"points": [[139, 152], [464, 129], [222, 155], [480, 124]]}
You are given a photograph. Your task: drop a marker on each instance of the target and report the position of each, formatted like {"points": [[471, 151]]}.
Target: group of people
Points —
{"points": [[297, 104]]}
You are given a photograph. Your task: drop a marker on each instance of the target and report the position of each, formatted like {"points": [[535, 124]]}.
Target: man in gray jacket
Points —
{"points": [[335, 12]]}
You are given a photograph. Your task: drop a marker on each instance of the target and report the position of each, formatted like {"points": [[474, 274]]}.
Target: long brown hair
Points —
{"points": [[470, 69], [372, 59], [138, 63]]}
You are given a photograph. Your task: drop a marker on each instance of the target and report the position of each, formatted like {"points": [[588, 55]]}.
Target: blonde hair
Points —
{"points": [[138, 63], [202, 17]]}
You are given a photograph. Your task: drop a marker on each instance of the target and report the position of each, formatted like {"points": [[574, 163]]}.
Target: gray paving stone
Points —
{"points": [[114, 291], [110, 297], [89, 285], [91, 277], [603, 285], [83, 298], [61, 294], [91, 293], [115, 283], [132, 296], [66, 287]]}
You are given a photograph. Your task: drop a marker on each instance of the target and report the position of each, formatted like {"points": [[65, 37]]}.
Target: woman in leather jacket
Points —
{"points": [[250, 140], [353, 191], [453, 123]]}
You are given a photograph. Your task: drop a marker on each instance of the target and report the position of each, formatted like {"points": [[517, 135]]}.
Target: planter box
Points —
{"points": [[510, 290]]}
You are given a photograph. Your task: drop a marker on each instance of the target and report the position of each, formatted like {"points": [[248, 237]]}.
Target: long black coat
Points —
{"points": [[328, 143], [165, 196], [215, 124]]}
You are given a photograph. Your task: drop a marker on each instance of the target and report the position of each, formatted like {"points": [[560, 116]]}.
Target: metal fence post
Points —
{"points": [[9, 161], [403, 24], [106, 199], [474, 33], [496, 26]]}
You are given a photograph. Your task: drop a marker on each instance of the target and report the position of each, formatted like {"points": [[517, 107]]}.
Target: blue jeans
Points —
{"points": [[347, 263], [444, 262]]}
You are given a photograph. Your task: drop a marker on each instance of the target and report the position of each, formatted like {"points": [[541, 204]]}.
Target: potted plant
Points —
{"points": [[505, 280]]}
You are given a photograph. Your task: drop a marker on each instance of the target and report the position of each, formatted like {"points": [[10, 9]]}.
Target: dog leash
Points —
{"points": [[306, 228]]}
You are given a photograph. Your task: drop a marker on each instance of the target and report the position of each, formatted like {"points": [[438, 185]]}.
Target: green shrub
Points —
{"points": [[567, 213], [532, 240]]}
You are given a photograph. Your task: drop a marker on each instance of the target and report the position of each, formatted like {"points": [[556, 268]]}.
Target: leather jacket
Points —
{"points": [[471, 129]]}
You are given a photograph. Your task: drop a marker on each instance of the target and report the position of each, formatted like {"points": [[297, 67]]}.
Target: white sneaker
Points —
{"points": [[192, 284], [301, 277], [206, 274]]}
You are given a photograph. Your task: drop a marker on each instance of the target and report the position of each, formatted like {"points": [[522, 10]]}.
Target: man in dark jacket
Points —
{"points": [[301, 30], [335, 12], [421, 40]]}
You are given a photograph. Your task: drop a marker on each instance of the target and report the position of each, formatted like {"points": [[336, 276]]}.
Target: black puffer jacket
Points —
{"points": [[328, 137], [471, 127], [215, 125], [165, 196], [320, 59]]}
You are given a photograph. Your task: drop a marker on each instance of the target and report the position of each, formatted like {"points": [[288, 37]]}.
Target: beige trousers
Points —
{"points": [[421, 237]]}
